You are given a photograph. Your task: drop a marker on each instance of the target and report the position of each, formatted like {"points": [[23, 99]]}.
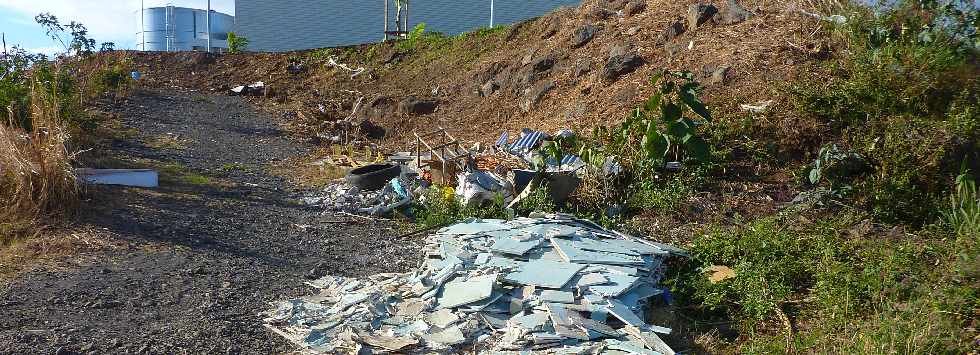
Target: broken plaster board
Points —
{"points": [[591, 279], [590, 244], [458, 293], [508, 245], [555, 296], [451, 336], [567, 249], [121, 177], [475, 227], [442, 318], [563, 324], [618, 284], [548, 274], [623, 313], [531, 322]]}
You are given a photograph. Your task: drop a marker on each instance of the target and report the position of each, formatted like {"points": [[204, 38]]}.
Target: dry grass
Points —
{"points": [[49, 249], [37, 181]]}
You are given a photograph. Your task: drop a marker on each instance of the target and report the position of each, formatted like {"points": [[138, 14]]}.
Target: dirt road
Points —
{"points": [[208, 249]]}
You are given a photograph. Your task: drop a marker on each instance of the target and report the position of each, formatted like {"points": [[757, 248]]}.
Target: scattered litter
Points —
{"points": [[123, 177], [760, 107], [256, 89], [354, 72], [495, 286], [719, 273]]}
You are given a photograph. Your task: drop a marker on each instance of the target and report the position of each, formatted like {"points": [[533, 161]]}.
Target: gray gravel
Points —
{"points": [[206, 259]]}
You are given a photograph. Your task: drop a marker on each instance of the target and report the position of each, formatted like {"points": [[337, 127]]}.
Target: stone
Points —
{"points": [[635, 7], [529, 56], [733, 14], [615, 4], [698, 14], [416, 106], [584, 66], [632, 31], [543, 64], [583, 35], [620, 65], [675, 29], [533, 96], [372, 130], [720, 75], [489, 88]]}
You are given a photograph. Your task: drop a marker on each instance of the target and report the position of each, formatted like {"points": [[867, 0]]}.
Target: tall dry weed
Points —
{"points": [[37, 182]]}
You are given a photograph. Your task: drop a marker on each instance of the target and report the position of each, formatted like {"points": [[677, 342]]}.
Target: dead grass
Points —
{"points": [[48, 248], [37, 182]]}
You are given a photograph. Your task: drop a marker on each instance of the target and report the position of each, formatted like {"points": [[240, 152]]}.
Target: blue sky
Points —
{"points": [[107, 20]]}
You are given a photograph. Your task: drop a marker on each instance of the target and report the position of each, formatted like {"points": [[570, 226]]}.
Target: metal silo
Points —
{"points": [[171, 28]]}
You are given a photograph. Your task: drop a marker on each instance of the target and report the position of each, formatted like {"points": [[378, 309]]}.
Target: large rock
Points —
{"points": [[675, 29], [543, 64], [635, 7], [417, 106], [620, 64], [533, 96], [698, 14], [583, 35], [733, 14]]}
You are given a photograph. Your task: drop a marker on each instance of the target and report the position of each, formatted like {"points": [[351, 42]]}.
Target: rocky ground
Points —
{"points": [[205, 252]]}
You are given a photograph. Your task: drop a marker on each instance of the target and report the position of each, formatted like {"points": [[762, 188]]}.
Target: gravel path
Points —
{"points": [[207, 257]]}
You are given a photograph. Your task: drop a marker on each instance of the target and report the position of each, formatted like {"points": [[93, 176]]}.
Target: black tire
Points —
{"points": [[373, 177]]}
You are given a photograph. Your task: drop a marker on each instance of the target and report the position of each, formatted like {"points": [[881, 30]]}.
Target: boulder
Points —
{"points": [[675, 29], [543, 64], [615, 5], [733, 14], [621, 64], [416, 106], [372, 130], [533, 96], [698, 14], [635, 7], [583, 35]]}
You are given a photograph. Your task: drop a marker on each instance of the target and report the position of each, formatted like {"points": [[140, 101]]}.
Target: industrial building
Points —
{"points": [[286, 25], [170, 28]]}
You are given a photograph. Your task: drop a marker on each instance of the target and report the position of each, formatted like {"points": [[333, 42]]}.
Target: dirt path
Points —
{"points": [[208, 249]]}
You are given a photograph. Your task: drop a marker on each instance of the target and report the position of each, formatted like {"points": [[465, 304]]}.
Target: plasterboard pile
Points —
{"points": [[552, 285]]}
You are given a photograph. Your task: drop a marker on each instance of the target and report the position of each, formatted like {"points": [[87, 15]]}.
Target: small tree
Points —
{"points": [[236, 43]]}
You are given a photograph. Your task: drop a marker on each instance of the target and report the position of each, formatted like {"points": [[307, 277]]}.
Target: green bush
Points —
{"points": [[909, 295], [903, 95], [236, 43]]}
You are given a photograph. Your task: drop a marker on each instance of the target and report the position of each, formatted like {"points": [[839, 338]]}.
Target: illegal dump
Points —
{"points": [[552, 284]]}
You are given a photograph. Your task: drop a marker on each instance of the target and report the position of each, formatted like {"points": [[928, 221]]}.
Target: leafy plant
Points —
{"points": [[963, 212], [236, 43], [439, 206], [665, 127], [835, 165], [414, 36], [78, 42]]}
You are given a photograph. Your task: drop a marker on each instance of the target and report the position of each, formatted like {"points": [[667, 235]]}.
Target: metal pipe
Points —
{"points": [[386, 21], [143, 25], [491, 13], [209, 26]]}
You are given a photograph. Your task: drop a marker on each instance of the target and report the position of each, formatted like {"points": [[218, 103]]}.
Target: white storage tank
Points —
{"points": [[171, 28]]}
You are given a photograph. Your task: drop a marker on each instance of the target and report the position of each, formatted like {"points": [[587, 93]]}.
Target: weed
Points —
{"points": [[440, 207], [234, 166], [963, 212], [37, 181]]}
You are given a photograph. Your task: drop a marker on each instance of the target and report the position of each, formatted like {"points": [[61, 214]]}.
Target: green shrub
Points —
{"points": [[236, 43], [903, 95], [963, 212], [440, 206]]}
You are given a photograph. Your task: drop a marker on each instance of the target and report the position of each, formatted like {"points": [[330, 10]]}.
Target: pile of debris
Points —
{"points": [[553, 284], [343, 196]]}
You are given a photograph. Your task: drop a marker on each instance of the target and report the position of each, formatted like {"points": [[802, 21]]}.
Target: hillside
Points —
{"points": [[514, 64], [825, 197]]}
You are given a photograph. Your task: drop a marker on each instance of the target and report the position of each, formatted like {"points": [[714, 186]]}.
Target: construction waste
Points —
{"points": [[552, 284], [506, 171]]}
